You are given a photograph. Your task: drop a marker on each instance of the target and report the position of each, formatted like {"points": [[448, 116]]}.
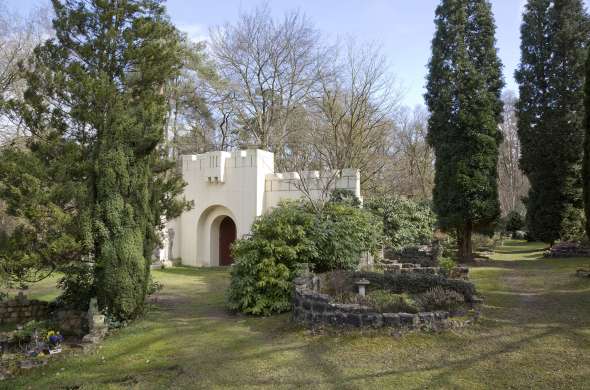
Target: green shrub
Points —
{"points": [[483, 242], [265, 263], [342, 234], [446, 265], [573, 225], [25, 334], [292, 234], [514, 222], [387, 302], [416, 283], [341, 195], [405, 222], [439, 298]]}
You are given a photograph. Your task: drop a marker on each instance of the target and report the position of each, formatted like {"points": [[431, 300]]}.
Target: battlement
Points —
{"points": [[212, 167]]}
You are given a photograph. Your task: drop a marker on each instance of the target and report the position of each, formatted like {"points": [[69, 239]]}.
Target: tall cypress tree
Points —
{"points": [[550, 112], [464, 99], [96, 108]]}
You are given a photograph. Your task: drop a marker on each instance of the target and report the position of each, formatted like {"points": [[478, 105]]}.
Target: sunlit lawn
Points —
{"points": [[45, 290], [535, 333]]}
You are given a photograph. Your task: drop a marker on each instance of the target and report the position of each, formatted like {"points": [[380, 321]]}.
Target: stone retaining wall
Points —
{"points": [[21, 310], [425, 255], [459, 272], [312, 308], [71, 322], [567, 249]]}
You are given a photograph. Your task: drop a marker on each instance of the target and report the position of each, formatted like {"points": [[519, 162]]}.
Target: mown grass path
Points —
{"points": [[534, 334]]}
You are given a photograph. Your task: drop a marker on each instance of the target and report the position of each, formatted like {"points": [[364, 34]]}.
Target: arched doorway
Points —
{"points": [[211, 242], [227, 235]]}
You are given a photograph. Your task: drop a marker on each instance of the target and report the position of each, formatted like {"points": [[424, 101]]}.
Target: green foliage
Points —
{"points": [[91, 183], [447, 264], [24, 335], [405, 222], [387, 302], [288, 236], [380, 300], [341, 234], [341, 195], [154, 287], [463, 96], [482, 242], [265, 263], [416, 283], [438, 298], [554, 38], [573, 225], [77, 285], [514, 222]]}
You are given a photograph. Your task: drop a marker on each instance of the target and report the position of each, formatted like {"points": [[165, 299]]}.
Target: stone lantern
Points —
{"points": [[362, 284]]}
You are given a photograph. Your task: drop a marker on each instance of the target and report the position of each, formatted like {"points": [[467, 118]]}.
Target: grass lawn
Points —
{"points": [[534, 334], [44, 290]]}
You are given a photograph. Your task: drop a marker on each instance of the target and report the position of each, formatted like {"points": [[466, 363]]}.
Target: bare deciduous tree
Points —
{"points": [[18, 38], [271, 69], [412, 159], [353, 113], [512, 183]]}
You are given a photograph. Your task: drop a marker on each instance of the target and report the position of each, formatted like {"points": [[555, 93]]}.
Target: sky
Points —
{"points": [[402, 28]]}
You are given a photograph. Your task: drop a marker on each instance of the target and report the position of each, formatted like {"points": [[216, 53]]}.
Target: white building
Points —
{"points": [[229, 191]]}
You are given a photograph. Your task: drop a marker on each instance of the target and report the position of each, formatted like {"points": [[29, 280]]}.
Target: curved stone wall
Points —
{"points": [[310, 307]]}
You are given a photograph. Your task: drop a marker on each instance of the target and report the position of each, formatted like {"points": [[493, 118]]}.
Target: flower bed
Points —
{"points": [[331, 299]]}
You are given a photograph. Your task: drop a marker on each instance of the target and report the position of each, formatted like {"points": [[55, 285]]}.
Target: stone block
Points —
{"points": [[374, 320], [408, 320], [306, 304], [353, 319], [391, 319], [441, 315], [318, 307], [426, 317]]}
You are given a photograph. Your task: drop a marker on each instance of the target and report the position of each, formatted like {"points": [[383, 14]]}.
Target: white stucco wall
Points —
{"points": [[241, 185]]}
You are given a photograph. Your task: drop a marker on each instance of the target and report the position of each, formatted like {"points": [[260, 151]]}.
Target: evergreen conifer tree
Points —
{"points": [[554, 36], [96, 109], [463, 96]]}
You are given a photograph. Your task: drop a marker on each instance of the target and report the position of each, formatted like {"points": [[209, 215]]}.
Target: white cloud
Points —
{"points": [[196, 32]]}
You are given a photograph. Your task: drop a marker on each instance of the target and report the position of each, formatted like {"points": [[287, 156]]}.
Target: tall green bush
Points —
{"points": [[405, 222]]}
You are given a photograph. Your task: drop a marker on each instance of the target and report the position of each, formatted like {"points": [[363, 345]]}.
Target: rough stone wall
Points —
{"points": [[71, 322], [458, 272], [312, 308], [567, 249], [425, 255], [20, 310]]}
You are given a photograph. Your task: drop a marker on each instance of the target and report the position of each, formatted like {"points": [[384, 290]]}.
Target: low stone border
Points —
{"points": [[459, 272], [21, 310], [567, 249], [313, 308]]}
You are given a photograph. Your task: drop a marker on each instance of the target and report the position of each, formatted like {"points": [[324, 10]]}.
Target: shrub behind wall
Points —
{"points": [[288, 236]]}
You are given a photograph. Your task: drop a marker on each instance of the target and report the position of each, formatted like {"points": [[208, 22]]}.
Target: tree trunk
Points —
{"points": [[464, 243]]}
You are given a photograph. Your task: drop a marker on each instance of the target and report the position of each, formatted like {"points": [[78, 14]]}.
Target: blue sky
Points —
{"points": [[403, 28]]}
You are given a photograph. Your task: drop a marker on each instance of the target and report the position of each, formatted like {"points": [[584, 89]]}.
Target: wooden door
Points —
{"points": [[227, 235]]}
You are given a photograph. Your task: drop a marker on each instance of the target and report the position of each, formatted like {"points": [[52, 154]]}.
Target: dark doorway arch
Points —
{"points": [[227, 235]]}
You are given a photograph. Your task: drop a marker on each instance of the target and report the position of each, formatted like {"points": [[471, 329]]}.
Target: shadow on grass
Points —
{"points": [[193, 271]]}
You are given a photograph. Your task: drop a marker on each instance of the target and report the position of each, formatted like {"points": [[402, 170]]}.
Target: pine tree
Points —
{"points": [[463, 96], [96, 92], [550, 112]]}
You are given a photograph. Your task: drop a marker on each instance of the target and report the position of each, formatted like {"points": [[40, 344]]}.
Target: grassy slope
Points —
{"points": [[535, 333], [44, 290]]}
